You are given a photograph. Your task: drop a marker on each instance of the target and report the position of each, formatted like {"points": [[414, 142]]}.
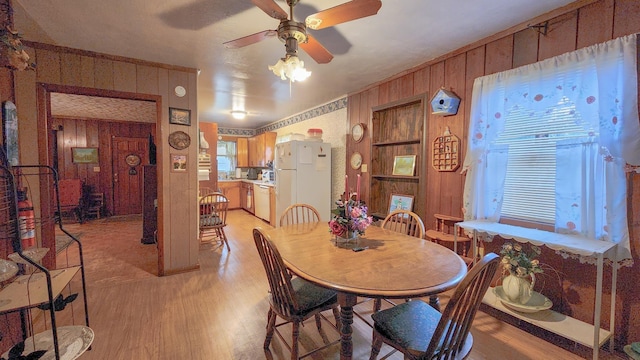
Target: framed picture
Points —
{"points": [[85, 155], [10, 120], [179, 116], [178, 163], [404, 165], [400, 202]]}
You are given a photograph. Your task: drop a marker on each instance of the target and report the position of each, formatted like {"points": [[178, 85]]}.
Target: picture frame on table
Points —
{"points": [[179, 116], [404, 165], [85, 155], [400, 202], [179, 163]]}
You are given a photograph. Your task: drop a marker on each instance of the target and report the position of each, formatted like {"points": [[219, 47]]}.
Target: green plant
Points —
{"points": [[517, 261]]}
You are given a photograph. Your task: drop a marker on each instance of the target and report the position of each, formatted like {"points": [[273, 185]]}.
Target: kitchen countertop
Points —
{"points": [[258, 182]]}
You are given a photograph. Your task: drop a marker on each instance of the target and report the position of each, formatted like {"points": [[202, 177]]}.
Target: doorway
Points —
{"points": [[123, 108]]}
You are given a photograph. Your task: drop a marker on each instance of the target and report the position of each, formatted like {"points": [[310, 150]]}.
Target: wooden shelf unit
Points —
{"points": [[397, 129], [591, 335]]}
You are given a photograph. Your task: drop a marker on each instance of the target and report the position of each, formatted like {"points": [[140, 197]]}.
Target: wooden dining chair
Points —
{"points": [[405, 222], [421, 332], [213, 216], [292, 299], [204, 191], [299, 214]]}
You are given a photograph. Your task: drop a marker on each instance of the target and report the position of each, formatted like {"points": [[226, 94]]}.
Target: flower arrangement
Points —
{"points": [[12, 51], [349, 217], [518, 262]]}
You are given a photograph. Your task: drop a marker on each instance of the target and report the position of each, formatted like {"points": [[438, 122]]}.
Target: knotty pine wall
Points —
{"points": [[581, 24], [94, 133]]}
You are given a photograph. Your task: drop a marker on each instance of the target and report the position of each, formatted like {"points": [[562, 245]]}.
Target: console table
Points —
{"points": [[587, 250]]}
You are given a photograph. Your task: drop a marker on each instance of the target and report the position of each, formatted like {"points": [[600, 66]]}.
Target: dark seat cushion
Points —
{"points": [[210, 221], [410, 324], [311, 296]]}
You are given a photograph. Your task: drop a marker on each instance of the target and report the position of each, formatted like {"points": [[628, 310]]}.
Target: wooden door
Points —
{"points": [[127, 173]]}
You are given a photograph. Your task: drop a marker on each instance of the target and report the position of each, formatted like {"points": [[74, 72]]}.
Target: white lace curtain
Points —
{"points": [[600, 82]]}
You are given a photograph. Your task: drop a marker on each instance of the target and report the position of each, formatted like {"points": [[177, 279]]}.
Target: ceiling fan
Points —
{"points": [[293, 33]]}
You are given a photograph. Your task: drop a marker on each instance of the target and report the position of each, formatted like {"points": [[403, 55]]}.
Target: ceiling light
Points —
{"points": [[290, 68], [239, 114]]}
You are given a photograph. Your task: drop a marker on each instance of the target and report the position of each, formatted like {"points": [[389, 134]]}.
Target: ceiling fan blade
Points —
{"points": [[271, 8], [250, 39], [352, 10], [316, 50]]}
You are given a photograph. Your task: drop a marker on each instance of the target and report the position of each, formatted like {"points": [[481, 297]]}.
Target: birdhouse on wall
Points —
{"points": [[445, 102]]}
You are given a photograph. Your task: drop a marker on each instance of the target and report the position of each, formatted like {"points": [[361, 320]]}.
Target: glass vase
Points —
{"points": [[347, 237]]}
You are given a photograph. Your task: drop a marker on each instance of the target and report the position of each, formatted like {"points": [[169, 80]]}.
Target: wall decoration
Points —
{"points": [[179, 116], [404, 165], [445, 152], [179, 140], [400, 202], [10, 121], [445, 102], [85, 155], [178, 163]]}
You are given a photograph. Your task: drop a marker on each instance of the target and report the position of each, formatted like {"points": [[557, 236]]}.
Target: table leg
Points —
{"points": [[434, 301], [346, 302]]}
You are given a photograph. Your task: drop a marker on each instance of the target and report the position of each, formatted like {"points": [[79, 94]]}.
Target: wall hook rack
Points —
{"points": [[540, 28]]}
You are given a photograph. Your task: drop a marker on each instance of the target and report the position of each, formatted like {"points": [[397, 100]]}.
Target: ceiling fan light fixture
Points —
{"points": [[291, 68], [238, 114]]}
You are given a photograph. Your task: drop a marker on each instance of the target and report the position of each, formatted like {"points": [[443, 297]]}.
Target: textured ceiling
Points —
{"points": [[191, 33]]}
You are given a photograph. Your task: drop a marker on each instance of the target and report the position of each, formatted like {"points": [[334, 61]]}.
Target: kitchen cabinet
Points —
{"points": [[231, 189], [261, 149], [242, 145], [246, 197]]}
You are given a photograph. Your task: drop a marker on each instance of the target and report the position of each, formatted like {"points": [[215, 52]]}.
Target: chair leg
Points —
{"points": [[336, 314], [271, 326], [376, 345], [294, 340], [224, 239], [377, 304], [318, 322]]}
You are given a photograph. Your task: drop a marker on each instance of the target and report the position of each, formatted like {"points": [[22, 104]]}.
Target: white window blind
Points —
{"points": [[529, 191]]}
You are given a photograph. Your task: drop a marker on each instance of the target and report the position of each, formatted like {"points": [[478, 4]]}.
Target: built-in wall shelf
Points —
{"points": [[393, 143]]}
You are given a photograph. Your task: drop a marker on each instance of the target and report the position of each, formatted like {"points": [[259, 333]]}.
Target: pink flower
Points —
{"points": [[336, 228], [571, 225], [538, 97], [591, 99], [614, 120]]}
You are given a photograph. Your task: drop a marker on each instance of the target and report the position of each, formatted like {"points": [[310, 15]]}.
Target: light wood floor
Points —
{"points": [[220, 311]]}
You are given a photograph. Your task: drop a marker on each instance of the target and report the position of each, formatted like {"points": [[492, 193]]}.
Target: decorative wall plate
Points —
{"points": [[357, 132], [132, 160], [179, 140], [356, 160]]}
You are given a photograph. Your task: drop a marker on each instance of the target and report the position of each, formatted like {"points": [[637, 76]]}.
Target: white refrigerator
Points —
{"points": [[303, 175]]}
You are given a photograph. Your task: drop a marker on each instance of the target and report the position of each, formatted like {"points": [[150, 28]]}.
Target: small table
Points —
{"points": [[393, 266]]}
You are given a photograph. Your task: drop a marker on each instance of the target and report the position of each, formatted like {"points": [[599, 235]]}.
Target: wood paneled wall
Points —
{"points": [[94, 133], [578, 25]]}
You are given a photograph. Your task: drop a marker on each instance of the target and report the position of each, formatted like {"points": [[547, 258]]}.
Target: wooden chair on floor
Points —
{"points": [[292, 299], [420, 332], [204, 191], [213, 216], [95, 203], [444, 234], [71, 198], [299, 214], [404, 222]]}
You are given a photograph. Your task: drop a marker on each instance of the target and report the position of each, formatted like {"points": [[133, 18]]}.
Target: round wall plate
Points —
{"points": [[356, 160], [179, 140], [357, 132], [132, 160], [180, 91]]}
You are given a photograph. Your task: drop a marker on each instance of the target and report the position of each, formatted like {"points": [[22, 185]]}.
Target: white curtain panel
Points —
{"points": [[600, 83]]}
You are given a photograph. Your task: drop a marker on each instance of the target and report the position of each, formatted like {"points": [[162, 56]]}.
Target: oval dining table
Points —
{"points": [[393, 266]]}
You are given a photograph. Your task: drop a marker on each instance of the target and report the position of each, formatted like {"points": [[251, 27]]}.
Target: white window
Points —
{"points": [[226, 157], [548, 143]]}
